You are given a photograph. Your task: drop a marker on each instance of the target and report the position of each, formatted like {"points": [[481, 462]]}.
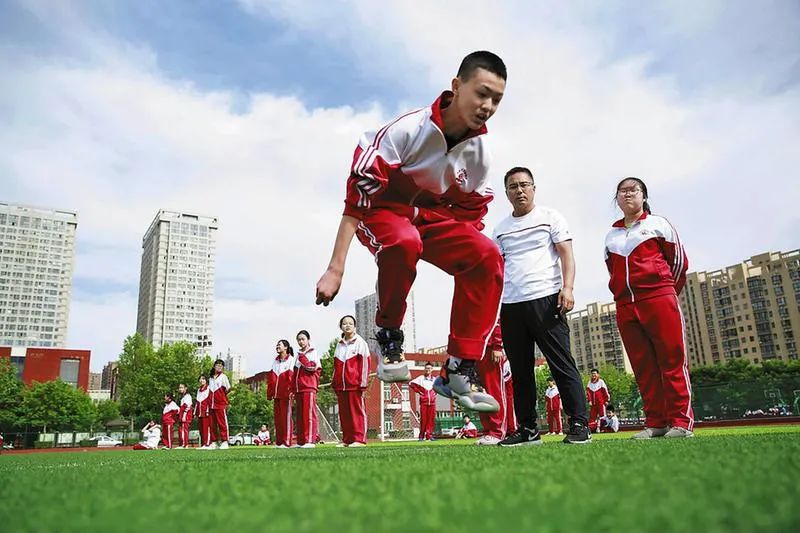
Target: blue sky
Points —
{"points": [[249, 111]]}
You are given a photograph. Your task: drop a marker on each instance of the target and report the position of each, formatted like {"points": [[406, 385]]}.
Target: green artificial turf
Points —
{"points": [[724, 480]]}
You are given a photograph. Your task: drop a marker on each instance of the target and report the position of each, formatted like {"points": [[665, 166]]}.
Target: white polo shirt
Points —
{"points": [[528, 245]]}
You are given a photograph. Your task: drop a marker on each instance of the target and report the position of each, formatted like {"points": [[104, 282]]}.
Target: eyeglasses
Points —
{"points": [[632, 191], [520, 185]]}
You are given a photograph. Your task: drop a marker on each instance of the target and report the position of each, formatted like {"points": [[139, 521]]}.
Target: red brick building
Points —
{"points": [[48, 364]]}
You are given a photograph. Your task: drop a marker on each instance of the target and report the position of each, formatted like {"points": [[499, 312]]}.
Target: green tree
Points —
{"points": [[11, 390], [263, 413], [107, 410], [146, 374], [326, 397], [56, 405], [242, 406]]}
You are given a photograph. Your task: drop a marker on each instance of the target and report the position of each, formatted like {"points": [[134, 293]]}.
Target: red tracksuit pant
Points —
{"points": [[306, 405], [597, 412], [352, 415], [456, 247], [219, 421], [511, 415], [166, 435], [491, 374], [205, 430], [427, 421], [554, 424], [653, 334], [283, 422], [183, 432]]}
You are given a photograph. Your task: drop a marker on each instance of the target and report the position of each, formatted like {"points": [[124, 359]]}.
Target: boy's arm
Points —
{"points": [[330, 282]]}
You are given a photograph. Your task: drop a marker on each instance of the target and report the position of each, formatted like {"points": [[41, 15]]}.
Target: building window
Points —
{"points": [[69, 371], [19, 364]]}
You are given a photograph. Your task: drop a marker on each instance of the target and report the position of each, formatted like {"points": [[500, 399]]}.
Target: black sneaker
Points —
{"points": [[522, 437], [392, 365], [578, 434]]}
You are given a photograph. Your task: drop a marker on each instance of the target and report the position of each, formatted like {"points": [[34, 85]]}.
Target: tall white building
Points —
{"points": [[37, 258], [365, 318], [236, 363], [176, 288]]}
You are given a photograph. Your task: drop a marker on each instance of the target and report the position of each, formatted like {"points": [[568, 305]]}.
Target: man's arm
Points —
{"points": [[330, 282], [566, 301]]}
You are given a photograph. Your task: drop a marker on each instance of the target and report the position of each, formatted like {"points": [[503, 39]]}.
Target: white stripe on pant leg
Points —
{"points": [[227, 432], [503, 424], [689, 412]]}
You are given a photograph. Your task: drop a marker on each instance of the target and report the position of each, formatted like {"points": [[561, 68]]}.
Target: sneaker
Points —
{"points": [[578, 434], [392, 366], [356, 445], [341, 445], [205, 448], [465, 387], [224, 446], [282, 447], [212, 446], [180, 448], [522, 437], [678, 432], [297, 446], [308, 445], [650, 433], [441, 388], [488, 440]]}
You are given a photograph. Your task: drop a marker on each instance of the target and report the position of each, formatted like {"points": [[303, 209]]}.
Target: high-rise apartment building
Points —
{"points": [[176, 288], [37, 257], [365, 318], [595, 339], [750, 310]]}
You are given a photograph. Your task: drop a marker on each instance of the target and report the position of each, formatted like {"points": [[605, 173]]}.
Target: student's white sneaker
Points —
{"points": [[341, 445], [204, 448], [308, 445], [392, 365], [224, 446], [212, 446], [297, 446], [678, 433], [281, 447], [488, 440], [650, 433], [356, 445], [179, 448]]}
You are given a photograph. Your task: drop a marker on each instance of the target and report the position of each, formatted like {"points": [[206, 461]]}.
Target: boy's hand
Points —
{"points": [[328, 286]]}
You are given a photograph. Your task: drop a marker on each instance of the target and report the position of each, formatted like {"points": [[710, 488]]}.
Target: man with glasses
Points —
{"points": [[539, 276]]}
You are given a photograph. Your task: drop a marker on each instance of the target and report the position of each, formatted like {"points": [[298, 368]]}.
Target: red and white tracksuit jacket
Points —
{"points": [[219, 386], [350, 373], [647, 265], [262, 439], [552, 400], [407, 186], [423, 386], [185, 420], [168, 419], [493, 379], [469, 431], [202, 410], [598, 395], [307, 370], [280, 379]]}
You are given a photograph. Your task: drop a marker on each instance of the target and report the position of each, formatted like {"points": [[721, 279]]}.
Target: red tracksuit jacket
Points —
{"points": [[424, 387], [185, 414], [406, 167], [351, 364], [597, 392], [552, 400], [219, 387], [646, 260], [170, 414], [280, 378], [202, 404], [307, 370]]}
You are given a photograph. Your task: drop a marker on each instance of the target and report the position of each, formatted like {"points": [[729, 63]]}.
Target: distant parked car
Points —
{"points": [[241, 438], [450, 432], [104, 441]]}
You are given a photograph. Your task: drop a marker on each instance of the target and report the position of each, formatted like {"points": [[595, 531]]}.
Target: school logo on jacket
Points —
{"points": [[461, 176]]}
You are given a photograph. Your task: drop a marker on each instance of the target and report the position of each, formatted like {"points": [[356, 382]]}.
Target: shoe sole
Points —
{"points": [[443, 390], [587, 441], [481, 407], [527, 443], [394, 373]]}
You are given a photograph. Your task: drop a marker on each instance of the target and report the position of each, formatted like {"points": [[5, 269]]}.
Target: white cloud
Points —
{"points": [[114, 139]]}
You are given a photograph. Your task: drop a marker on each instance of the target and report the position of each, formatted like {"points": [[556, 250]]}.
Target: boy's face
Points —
{"points": [[478, 97], [428, 370], [550, 384], [595, 376]]}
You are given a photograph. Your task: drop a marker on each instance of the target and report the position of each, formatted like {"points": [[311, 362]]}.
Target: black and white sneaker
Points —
{"points": [[392, 366], [463, 385], [578, 434], [522, 437]]}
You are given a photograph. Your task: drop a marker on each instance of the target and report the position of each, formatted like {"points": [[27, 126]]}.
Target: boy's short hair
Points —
{"points": [[594, 370], [481, 59], [551, 379]]}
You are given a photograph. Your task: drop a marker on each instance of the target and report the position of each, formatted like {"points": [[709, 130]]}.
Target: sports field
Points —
{"points": [[743, 479]]}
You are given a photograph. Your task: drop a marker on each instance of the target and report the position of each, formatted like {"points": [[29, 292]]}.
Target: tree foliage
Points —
{"points": [[56, 405]]}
